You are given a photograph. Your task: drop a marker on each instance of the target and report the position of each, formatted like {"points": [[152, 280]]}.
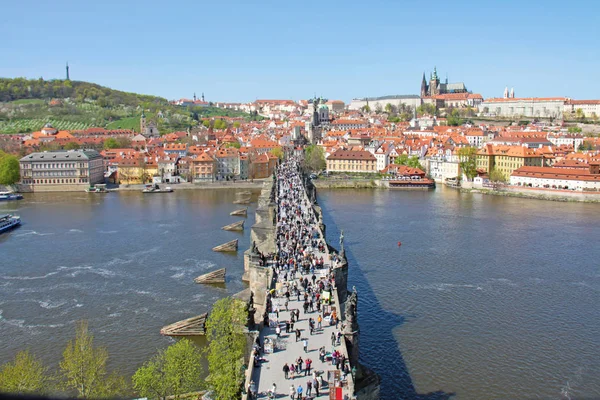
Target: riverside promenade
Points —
{"points": [[290, 262]]}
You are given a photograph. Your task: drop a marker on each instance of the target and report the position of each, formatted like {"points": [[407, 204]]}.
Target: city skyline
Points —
{"points": [[339, 50]]}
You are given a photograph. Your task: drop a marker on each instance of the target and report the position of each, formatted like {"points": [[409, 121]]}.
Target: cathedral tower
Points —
{"points": [[424, 87], [434, 83]]}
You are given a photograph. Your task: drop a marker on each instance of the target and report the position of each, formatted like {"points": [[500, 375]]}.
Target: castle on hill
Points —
{"points": [[436, 87]]}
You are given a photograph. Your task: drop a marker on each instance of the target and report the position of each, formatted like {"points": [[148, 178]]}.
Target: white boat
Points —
{"points": [[154, 188], [8, 222], [7, 196], [98, 188]]}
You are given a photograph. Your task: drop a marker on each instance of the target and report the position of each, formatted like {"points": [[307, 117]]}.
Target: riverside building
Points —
{"points": [[61, 170]]}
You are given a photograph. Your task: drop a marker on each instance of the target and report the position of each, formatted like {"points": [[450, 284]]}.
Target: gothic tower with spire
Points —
{"points": [[424, 86], [434, 83]]}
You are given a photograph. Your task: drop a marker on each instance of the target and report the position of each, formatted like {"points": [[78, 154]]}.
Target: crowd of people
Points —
{"points": [[304, 279]]}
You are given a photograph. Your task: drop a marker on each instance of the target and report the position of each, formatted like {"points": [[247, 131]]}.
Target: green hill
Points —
{"points": [[27, 104]]}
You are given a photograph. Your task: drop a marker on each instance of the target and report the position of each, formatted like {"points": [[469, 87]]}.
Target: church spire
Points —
{"points": [[68, 71]]}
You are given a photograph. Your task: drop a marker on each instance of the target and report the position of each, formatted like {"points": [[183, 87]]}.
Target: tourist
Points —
{"points": [[292, 371], [308, 363], [308, 387], [278, 331], [305, 345], [292, 392], [333, 338], [299, 390], [252, 390], [299, 363], [286, 370], [319, 320], [316, 386], [322, 354]]}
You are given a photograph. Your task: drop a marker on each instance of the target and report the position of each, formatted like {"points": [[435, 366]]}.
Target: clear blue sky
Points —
{"points": [[237, 51]]}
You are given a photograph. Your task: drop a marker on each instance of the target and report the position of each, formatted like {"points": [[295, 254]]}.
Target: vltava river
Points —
{"points": [[487, 298]]}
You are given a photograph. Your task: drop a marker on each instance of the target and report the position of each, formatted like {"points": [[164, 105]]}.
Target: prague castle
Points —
{"points": [[441, 94], [435, 87]]}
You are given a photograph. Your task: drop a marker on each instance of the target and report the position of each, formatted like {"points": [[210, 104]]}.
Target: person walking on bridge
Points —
{"points": [[286, 370]]}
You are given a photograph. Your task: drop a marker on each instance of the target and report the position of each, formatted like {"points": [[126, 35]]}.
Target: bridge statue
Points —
{"points": [[250, 310], [342, 241], [352, 311]]}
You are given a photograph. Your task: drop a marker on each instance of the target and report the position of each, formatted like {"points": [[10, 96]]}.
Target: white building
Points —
{"points": [[557, 178], [590, 108], [540, 107], [569, 139], [443, 166], [411, 100], [382, 154]]}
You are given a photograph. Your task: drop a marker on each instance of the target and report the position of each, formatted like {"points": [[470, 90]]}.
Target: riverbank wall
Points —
{"points": [[539, 194], [364, 384], [360, 183], [78, 188]]}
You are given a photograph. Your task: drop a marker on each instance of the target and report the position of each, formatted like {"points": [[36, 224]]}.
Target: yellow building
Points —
{"points": [[506, 159], [351, 161], [136, 171]]}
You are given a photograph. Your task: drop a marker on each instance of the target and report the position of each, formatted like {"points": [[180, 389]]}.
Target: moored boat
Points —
{"points": [[8, 196], [8, 222], [154, 188], [98, 188]]}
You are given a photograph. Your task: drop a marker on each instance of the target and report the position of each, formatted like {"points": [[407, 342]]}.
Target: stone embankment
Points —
{"points": [[267, 287], [540, 194]]}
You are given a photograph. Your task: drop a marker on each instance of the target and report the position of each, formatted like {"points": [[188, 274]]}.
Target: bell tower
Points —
{"points": [[143, 123]]}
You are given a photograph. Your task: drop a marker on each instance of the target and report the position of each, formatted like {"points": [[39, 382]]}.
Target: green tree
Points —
{"points": [[366, 108], [389, 108], [25, 375], [574, 129], [83, 368], [277, 152], [427, 109], [579, 114], [123, 142], [206, 123], [9, 169], [225, 332], [236, 124], [172, 372], [111, 143], [454, 118], [314, 158], [413, 162], [468, 161], [220, 124], [237, 145], [497, 176]]}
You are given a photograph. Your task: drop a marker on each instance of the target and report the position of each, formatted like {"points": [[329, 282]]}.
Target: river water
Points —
{"points": [[487, 298]]}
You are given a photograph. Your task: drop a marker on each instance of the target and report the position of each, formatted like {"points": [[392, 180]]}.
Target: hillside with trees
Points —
{"points": [[27, 104]]}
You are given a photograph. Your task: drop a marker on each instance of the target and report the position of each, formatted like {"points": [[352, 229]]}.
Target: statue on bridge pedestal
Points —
{"points": [[250, 310], [342, 241], [352, 311]]}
